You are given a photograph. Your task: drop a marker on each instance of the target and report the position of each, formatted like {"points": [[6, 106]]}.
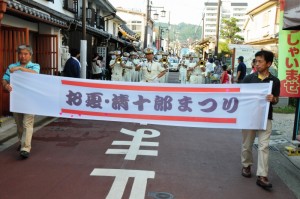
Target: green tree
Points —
{"points": [[229, 30], [182, 31], [224, 48]]}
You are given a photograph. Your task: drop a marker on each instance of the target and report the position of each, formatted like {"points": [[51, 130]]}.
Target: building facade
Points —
{"points": [[135, 21], [262, 26], [228, 10]]}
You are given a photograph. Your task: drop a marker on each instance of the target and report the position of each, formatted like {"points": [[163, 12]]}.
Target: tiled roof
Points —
{"points": [[14, 6], [17, 7]]}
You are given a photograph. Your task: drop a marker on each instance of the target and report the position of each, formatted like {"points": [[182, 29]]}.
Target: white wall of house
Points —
{"points": [[230, 8], [262, 25], [57, 6], [20, 23], [135, 21], [111, 27]]}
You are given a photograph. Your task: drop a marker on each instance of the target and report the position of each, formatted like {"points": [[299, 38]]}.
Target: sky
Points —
{"points": [[187, 11]]}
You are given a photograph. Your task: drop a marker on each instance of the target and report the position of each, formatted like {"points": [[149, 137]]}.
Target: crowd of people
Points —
{"points": [[131, 67], [139, 66], [196, 71]]}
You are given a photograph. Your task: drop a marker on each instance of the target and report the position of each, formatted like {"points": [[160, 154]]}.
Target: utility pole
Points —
{"points": [[84, 19], [169, 29], [203, 26], [83, 43], [146, 26], [218, 27]]}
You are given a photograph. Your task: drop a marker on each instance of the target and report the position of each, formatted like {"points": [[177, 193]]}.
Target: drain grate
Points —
{"points": [[271, 148], [161, 195], [278, 141]]}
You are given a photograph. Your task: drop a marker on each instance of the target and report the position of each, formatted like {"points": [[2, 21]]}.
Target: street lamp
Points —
{"points": [[155, 15], [148, 16], [161, 31]]}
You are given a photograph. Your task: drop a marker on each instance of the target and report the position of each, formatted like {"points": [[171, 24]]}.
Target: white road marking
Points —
{"points": [[121, 178], [134, 145]]}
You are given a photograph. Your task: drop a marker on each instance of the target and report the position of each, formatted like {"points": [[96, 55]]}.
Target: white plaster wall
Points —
{"points": [[18, 22], [57, 6], [255, 29]]}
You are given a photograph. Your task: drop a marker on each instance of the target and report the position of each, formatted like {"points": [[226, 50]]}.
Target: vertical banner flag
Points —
{"points": [[240, 106], [289, 56]]}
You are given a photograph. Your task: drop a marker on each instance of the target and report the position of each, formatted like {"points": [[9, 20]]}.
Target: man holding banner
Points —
{"points": [[264, 60], [24, 121]]}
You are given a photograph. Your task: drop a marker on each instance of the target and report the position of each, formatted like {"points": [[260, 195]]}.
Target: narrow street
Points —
{"points": [[84, 159]]}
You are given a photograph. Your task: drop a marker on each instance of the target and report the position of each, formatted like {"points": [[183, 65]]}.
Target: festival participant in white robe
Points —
{"points": [[165, 63], [141, 58], [133, 62], [198, 73], [209, 69], [183, 70], [151, 70], [117, 66], [191, 63], [128, 67]]}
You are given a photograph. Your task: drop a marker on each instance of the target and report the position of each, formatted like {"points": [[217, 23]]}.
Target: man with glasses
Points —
{"points": [[24, 121]]}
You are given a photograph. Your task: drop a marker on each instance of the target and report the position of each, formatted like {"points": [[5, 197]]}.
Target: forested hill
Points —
{"points": [[183, 32]]}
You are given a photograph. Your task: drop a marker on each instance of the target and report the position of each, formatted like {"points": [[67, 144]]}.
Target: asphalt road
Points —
{"points": [[87, 159]]}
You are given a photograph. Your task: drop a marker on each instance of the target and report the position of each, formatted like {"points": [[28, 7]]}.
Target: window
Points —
{"points": [[266, 18], [71, 5], [114, 28], [100, 23], [136, 22]]}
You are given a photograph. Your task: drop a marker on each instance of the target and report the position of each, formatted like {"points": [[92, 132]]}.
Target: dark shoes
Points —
{"points": [[246, 172], [263, 182], [24, 154]]}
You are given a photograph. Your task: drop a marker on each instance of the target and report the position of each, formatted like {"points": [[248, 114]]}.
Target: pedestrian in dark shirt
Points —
{"points": [[263, 62], [72, 66], [241, 70]]}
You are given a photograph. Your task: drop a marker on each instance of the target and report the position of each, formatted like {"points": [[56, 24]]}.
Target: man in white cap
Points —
{"points": [[165, 63], [151, 70], [128, 67], [117, 67], [191, 64], [197, 73], [133, 61]]}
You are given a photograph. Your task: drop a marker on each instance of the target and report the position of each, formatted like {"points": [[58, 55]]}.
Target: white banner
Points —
{"points": [[236, 106]]}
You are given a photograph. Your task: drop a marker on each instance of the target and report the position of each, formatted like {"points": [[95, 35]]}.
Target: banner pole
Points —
{"points": [[296, 121]]}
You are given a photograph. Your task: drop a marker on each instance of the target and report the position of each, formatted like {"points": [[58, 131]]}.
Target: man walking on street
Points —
{"points": [[24, 121], [264, 61], [241, 70]]}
